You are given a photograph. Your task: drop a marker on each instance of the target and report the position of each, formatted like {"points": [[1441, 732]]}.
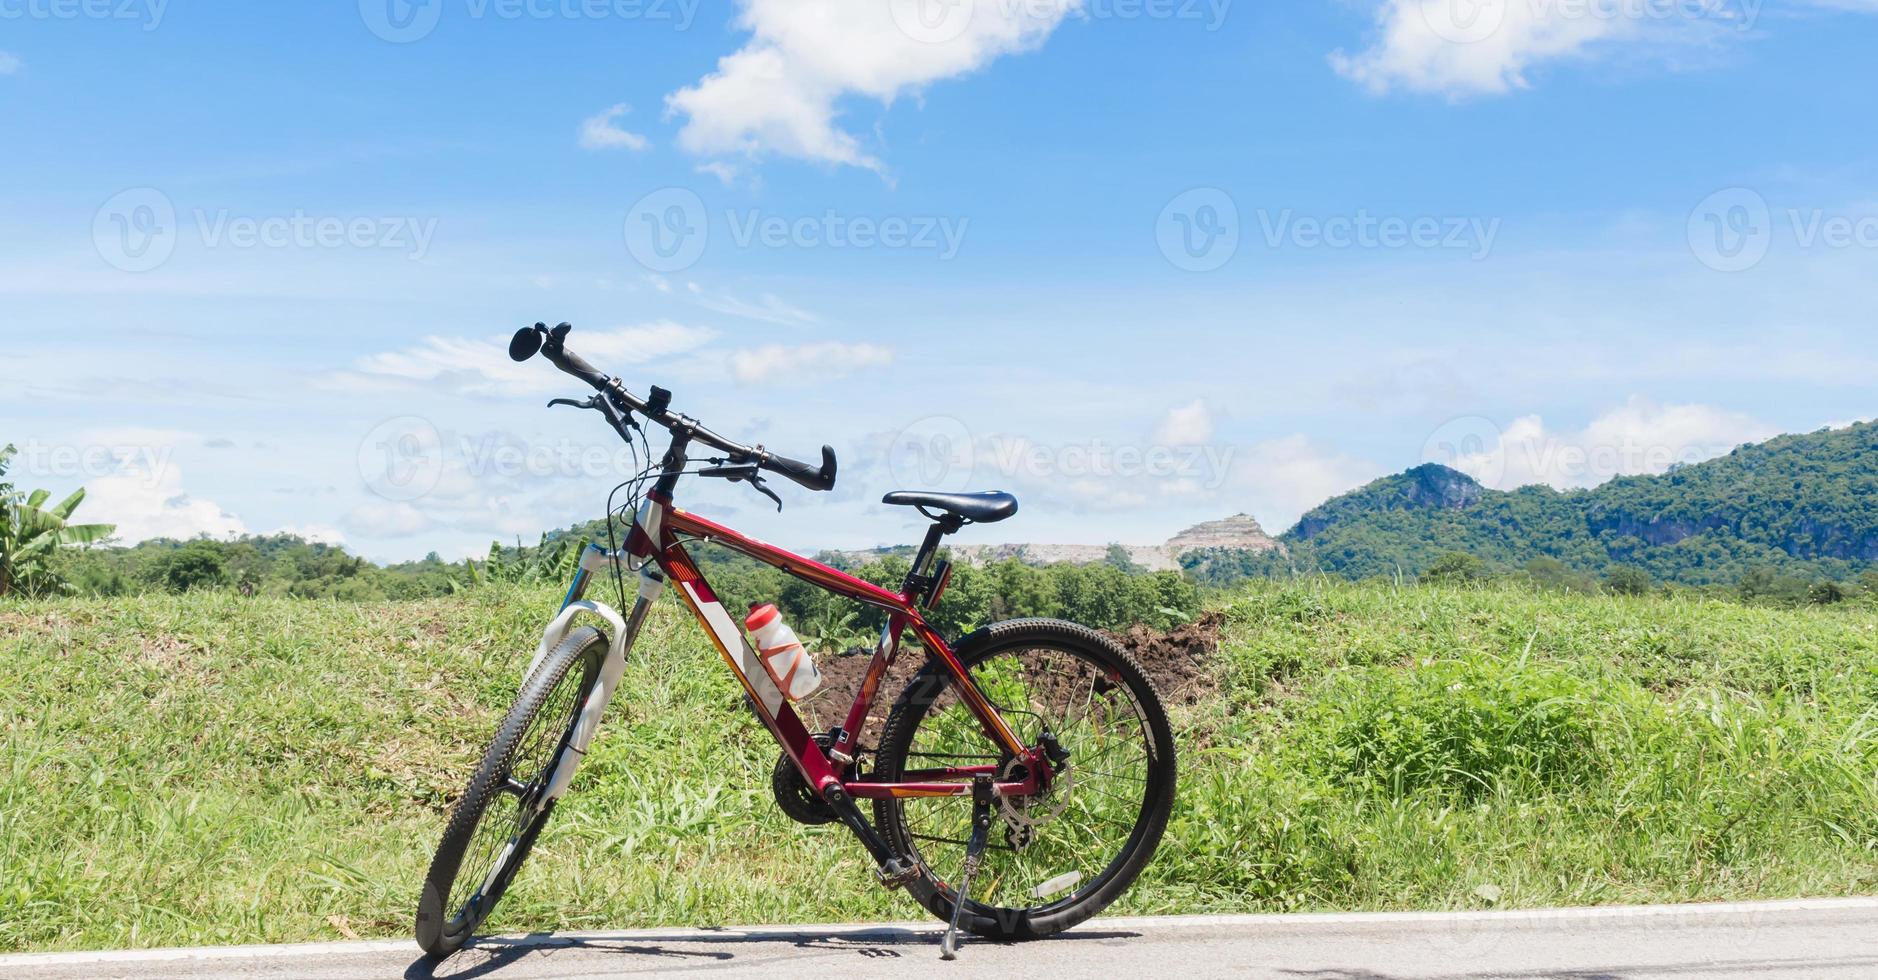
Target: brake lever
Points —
{"points": [[599, 403], [757, 484], [743, 473]]}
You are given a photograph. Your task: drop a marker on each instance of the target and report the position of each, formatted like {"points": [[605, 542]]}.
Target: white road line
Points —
{"points": [[1693, 913]]}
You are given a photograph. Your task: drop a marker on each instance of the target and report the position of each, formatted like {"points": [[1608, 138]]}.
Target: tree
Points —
{"points": [[1119, 557], [1756, 583], [1550, 573], [1628, 580], [1825, 593], [1455, 567], [196, 565], [31, 535]]}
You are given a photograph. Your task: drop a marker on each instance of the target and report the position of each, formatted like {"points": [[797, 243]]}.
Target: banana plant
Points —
{"points": [[31, 534]]}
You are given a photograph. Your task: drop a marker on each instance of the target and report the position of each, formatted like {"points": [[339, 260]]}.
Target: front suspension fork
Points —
{"points": [[651, 586]]}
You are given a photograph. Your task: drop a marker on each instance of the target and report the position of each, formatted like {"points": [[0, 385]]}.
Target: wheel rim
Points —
{"points": [[1083, 829], [511, 811]]}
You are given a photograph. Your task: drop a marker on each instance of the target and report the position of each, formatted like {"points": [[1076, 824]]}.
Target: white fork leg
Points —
{"points": [[626, 634]]}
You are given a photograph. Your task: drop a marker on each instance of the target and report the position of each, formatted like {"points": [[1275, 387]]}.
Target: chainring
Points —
{"points": [[793, 795]]}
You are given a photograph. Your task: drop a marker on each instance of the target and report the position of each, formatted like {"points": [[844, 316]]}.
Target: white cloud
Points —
{"points": [[1637, 438], [1185, 425], [387, 519], [811, 363], [1279, 479], [725, 173], [602, 132], [148, 502], [768, 308], [313, 533], [1474, 47], [471, 366], [9, 63], [1462, 48], [778, 93]]}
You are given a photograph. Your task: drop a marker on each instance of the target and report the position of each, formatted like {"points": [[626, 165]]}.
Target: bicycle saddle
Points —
{"points": [[987, 507]]}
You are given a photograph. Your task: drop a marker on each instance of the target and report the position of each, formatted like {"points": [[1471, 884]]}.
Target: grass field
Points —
{"points": [[213, 769]]}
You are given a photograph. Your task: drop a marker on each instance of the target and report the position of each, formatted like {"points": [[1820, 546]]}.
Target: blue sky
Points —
{"points": [[1143, 262]]}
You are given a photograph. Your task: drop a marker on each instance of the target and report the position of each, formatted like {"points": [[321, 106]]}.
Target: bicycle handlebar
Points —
{"points": [[552, 344]]}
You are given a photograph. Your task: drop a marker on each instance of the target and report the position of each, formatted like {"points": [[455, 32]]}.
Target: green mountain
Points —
{"points": [[1797, 505]]}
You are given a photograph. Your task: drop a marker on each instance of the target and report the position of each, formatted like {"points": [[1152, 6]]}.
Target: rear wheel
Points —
{"points": [[1059, 857], [495, 823]]}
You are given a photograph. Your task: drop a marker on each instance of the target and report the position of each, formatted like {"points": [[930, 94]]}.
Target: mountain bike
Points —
{"points": [[1021, 782]]}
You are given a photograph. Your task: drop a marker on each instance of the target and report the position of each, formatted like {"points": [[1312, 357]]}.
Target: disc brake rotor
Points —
{"points": [[1022, 814]]}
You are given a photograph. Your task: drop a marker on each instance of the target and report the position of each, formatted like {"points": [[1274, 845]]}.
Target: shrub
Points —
{"points": [[1628, 580], [1456, 567], [1460, 727]]}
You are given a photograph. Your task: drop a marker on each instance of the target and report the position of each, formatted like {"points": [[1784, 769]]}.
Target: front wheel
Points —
{"points": [[496, 821], [1059, 857]]}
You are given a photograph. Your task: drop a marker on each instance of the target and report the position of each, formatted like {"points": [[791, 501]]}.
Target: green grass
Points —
{"points": [[212, 769]]}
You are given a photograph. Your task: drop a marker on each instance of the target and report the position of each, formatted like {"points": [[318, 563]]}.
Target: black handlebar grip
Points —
{"points": [[803, 473], [555, 348]]}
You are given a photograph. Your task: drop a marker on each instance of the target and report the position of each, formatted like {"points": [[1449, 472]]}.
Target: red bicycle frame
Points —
{"points": [[660, 533]]}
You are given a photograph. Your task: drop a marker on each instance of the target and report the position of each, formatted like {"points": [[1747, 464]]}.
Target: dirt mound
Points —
{"points": [[1176, 661]]}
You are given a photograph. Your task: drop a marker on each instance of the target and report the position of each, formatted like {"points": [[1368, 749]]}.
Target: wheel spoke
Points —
{"points": [[509, 812], [1084, 822]]}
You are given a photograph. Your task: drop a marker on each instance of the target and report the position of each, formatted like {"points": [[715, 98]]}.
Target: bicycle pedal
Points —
{"points": [[896, 873]]}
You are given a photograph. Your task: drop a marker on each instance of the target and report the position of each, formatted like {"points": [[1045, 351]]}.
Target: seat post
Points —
{"points": [[922, 562]]}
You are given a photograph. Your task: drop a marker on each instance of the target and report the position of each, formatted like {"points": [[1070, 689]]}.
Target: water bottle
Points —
{"points": [[788, 664]]}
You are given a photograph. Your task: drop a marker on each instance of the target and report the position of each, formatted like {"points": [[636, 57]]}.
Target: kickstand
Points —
{"points": [[982, 802]]}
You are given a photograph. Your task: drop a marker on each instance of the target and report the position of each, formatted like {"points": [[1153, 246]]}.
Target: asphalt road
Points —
{"points": [[1834, 939]]}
